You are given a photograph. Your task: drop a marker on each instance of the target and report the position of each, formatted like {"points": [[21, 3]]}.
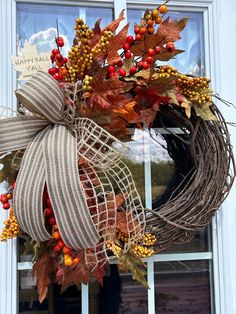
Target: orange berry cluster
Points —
{"points": [[59, 247], [59, 63], [81, 55], [11, 229], [197, 89], [149, 21]]}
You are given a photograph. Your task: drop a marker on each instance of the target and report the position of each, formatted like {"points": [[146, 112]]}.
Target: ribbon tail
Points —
{"points": [[65, 190], [16, 133], [28, 200]]}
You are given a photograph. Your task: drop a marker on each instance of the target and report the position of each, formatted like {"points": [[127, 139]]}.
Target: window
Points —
{"points": [[189, 263]]}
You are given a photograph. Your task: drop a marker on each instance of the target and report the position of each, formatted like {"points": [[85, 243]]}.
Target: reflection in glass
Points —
{"points": [[135, 158], [183, 287], [55, 303], [192, 60], [37, 23]]}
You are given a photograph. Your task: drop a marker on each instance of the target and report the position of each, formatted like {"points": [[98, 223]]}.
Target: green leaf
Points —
{"points": [[7, 173], [204, 111], [129, 262]]}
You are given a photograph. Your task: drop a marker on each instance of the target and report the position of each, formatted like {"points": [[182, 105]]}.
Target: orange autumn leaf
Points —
{"points": [[127, 111]]}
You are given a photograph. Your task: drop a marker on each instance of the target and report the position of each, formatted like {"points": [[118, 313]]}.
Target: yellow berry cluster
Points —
{"points": [[167, 71], [123, 237], [81, 55], [195, 88], [141, 251], [149, 239], [113, 247], [11, 229], [87, 82]]}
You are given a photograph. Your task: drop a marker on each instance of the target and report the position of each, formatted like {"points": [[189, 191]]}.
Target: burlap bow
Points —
{"points": [[51, 158]]}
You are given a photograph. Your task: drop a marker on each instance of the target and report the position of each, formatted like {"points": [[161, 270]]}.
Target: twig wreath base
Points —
{"points": [[204, 174]]}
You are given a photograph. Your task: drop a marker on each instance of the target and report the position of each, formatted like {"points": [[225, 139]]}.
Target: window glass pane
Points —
{"points": [[37, 23], [183, 287], [120, 294], [192, 60], [55, 303]]}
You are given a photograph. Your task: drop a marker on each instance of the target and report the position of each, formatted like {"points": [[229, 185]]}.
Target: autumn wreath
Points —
{"points": [[71, 195]]}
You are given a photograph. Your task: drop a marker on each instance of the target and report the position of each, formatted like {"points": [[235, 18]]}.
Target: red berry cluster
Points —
{"points": [[4, 199], [70, 257], [59, 63]]}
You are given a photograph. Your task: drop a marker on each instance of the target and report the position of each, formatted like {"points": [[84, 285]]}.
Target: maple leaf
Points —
{"points": [[7, 173], [167, 31], [166, 56], [42, 270], [116, 43], [129, 262], [170, 30], [106, 90], [204, 111], [67, 277], [115, 24], [99, 272], [148, 103]]}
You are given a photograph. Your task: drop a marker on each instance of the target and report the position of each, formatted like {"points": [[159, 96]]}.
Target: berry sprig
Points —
{"points": [[59, 63], [11, 229], [197, 89], [150, 21], [59, 248], [81, 55], [5, 200]]}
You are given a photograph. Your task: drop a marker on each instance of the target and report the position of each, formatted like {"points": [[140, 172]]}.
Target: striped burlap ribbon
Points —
{"points": [[52, 144], [50, 158]]}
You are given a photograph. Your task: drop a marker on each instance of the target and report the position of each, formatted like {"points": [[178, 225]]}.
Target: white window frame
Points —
{"points": [[223, 231]]}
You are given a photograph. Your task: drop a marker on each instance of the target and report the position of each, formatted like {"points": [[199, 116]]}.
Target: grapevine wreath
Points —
{"points": [[71, 196]]}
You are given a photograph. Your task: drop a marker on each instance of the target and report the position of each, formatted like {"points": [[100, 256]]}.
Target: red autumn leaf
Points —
{"points": [[148, 103], [116, 43], [67, 277], [99, 272], [115, 24], [126, 223], [41, 270], [106, 90], [147, 116]]}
